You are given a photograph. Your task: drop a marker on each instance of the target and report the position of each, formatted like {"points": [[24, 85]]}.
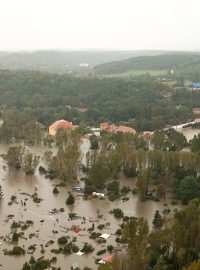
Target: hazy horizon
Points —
{"points": [[93, 50], [34, 25]]}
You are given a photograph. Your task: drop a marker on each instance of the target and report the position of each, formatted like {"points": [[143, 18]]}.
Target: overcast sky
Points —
{"points": [[100, 24]]}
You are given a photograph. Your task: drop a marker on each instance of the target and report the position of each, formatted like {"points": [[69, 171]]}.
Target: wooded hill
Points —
{"points": [[179, 62]]}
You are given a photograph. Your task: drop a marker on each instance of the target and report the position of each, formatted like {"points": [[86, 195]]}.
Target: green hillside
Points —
{"points": [[180, 62]]}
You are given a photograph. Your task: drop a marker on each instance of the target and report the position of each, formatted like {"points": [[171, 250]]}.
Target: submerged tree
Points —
{"points": [[65, 164], [18, 157], [99, 174], [143, 183], [14, 156], [30, 163], [136, 232], [70, 200], [157, 221]]}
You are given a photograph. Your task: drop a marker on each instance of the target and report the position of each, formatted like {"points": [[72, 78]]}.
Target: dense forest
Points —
{"points": [[145, 105]]}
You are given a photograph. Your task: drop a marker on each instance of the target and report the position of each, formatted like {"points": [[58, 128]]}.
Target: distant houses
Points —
{"points": [[61, 124], [68, 126], [192, 86], [111, 128]]}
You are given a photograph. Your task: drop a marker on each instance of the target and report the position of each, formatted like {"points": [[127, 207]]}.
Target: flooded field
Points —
{"points": [[16, 183]]}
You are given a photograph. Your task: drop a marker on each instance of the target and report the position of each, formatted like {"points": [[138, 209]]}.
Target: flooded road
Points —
{"points": [[16, 182]]}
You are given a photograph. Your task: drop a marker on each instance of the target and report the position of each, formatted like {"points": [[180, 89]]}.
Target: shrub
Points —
{"points": [[15, 251], [110, 248], [15, 237], [118, 213], [62, 240], [125, 190], [118, 232], [87, 248], [100, 252], [94, 235], [55, 190], [70, 200], [100, 226], [113, 187], [42, 170]]}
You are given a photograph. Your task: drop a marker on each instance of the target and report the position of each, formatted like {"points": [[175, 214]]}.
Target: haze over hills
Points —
{"points": [[179, 61], [57, 61], [103, 62]]}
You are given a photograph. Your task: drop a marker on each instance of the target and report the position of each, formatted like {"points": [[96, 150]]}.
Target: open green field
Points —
{"points": [[138, 73]]}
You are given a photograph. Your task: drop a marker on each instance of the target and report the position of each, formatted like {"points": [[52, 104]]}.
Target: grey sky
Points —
{"points": [[100, 24]]}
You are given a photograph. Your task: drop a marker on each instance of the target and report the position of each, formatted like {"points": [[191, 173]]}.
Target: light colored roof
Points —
{"points": [[93, 219], [62, 124], [105, 236], [113, 128], [125, 129], [101, 262], [79, 253]]}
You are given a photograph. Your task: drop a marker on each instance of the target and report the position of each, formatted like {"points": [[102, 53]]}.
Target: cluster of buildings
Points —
{"points": [[192, 86], [68, 126]]}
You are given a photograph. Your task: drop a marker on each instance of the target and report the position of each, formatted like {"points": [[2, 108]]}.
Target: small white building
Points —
{"points": [[99, 195]]}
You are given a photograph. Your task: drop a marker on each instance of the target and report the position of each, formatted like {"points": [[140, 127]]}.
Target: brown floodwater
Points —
{"points": [[189, 132], [15, 182]]}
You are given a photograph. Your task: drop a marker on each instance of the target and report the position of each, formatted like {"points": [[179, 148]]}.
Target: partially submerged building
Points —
{"points": [[61, 124], [111, 128]]}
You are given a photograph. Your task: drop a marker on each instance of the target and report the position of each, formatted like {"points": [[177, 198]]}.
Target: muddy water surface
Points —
{"points": [[16, 182]]}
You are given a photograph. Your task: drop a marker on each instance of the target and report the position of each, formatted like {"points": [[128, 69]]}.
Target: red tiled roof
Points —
{"points": [[62, 124], [108, 258]]}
